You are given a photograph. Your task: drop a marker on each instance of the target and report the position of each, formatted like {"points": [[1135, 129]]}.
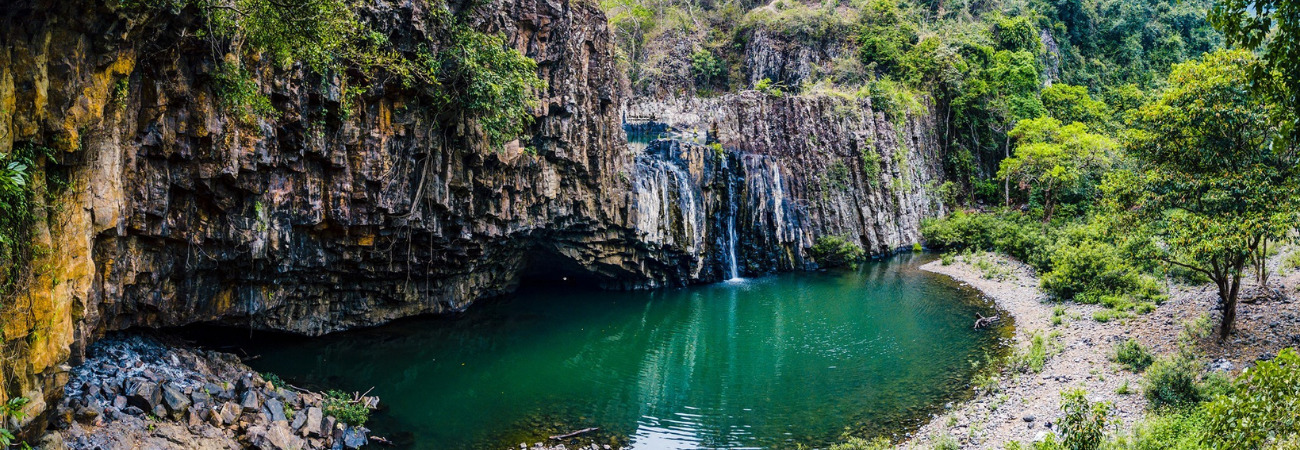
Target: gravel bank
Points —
{"points": [[1026, 406]]}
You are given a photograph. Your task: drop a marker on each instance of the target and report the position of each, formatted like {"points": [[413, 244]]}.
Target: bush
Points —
{"points": [[835, 251], [1083, 427], [1032, 358], [1174, 431], [1261, 408], [341, 406], [1133, 355], [1173, 383], [878, 443]]}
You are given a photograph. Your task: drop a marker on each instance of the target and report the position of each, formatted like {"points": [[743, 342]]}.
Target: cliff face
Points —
{"points": [[785, 171], [179, 212]]}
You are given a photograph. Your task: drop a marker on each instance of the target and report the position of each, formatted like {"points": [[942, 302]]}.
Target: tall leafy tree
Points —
{"points": [[1051, 157], [1273, 27], [1214, 185]]}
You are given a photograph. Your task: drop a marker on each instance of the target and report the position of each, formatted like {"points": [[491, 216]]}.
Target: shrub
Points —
{"points": [[1173, 383], [1083, 427], [342, 407], [1176, 430], [274, 379], [835, 251], [1133, 355], [947, 259], [1261, 408], [855, 443], [768, 87], [1031, 358]]}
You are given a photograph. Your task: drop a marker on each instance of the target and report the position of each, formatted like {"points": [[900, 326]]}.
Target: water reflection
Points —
{"points": [[764, 363]]}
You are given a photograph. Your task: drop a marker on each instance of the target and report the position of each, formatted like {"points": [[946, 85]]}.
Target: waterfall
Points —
{"points": [[731, 222], [668, 208]]}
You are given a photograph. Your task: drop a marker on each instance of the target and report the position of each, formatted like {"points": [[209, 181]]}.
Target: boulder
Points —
{"points": [[249, 400], [354, 437], [315, 422], [274, 436], [275, 410], [175, 399], [143, 394]]}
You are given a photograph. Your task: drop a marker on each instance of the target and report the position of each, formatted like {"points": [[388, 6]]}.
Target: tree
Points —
{"points": [[1274, 26], [1073, 104], [1051, 157], [1213, 183]]}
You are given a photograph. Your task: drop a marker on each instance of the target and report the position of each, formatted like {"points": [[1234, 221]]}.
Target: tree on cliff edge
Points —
{"points": [[1212, 182]]}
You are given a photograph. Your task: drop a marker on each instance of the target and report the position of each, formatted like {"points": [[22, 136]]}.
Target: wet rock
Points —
{"points": [[354, 437]]}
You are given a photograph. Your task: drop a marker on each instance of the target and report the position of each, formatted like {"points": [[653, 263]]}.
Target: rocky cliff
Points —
{"points": [[177, 211], [779, 173]]}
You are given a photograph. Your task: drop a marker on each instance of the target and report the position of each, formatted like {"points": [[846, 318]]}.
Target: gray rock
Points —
{"points": [[175, 399], [275, 410], [275, 436], [143, 394], [298, 420], [315, 423], [1029, 418], [119, 402], [230, 413], [249, 400], [354, 437]]}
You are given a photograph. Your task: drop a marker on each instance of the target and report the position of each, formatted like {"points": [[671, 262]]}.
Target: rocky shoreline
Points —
{"points": [[1025, 406], [137, 391]]}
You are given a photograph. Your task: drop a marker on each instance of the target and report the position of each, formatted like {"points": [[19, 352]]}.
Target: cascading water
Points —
{"points": [[731, 222]]}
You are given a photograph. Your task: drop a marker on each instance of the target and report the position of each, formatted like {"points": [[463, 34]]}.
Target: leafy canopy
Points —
{"points": [[1212, 183]]}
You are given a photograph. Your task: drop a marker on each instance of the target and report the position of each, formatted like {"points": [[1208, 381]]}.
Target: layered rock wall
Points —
{"points": [[311, 221]]}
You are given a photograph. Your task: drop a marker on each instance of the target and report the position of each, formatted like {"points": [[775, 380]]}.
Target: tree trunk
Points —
{"points": [[1229, 288]]}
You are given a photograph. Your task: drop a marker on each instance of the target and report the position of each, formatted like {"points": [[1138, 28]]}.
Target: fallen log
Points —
{"points": [[575, 433], [981, 321]]}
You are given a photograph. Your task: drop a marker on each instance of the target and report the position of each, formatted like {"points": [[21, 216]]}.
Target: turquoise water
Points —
{"points": [[767, 362]]}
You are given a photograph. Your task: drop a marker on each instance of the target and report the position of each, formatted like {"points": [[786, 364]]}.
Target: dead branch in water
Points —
{"points": [[575, 433], [981, 321]]}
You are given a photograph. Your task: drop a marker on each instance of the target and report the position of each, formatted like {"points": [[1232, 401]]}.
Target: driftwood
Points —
{"points": [[382, 441], [575, 433], [982, 321]]}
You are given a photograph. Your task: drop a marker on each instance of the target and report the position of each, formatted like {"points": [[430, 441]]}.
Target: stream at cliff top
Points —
{"points": [[765, 362]]}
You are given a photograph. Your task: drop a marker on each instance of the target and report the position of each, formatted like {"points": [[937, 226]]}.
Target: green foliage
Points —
{"points": [[1173, 430], [1271, 27], [837, 177], [1084, 424], [855, 443], [835, 251], [1261, 408], [1051, 157], [707, 68], [342, 407], [1212, 186], [1174, 382], [871, 165], [1032, 358], [1016, 34], [274, 379], [17, 216], [1070, 104], [885, 37], [767, 86], [6, 438], [1133, 355], [13, 408], [483, 80], [239, 92]]}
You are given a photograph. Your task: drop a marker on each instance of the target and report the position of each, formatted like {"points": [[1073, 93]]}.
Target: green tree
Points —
{"points": [[1051, 157], [885, 36], [631, 21], [1069, 103], [1272, 26], [1213, 183]]}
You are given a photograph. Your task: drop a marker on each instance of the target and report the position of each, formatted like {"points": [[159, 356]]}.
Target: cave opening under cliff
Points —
{"points": [[547, 265]]}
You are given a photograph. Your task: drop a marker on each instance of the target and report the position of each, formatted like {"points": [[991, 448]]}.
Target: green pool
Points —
{"points": [[763, 363]]}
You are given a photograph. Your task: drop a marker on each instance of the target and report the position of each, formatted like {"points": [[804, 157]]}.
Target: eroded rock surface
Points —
{"points": [[138, 392]]}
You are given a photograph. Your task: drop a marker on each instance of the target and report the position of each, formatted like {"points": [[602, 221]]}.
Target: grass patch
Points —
{"points": [[1133, 355]]}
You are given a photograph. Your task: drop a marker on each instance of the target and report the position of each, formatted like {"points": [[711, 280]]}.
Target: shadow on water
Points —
{"points": [[767, 362]]}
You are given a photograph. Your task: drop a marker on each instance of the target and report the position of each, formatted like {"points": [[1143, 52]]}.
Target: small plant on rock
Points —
{"points": [[346, 409], [1133, 355], [835, 251]]}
